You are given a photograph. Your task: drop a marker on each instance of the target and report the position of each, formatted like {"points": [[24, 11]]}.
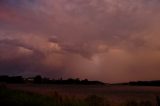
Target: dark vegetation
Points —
{"points": [[143, 83], [136, 103], [10, 97], [40, 80], [14, 79], [158, 100], [20, 98], [43, 80]]}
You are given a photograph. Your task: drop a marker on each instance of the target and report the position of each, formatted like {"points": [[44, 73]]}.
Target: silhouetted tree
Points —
{"points": [[4, 78], [38, 79], [85, 81], [14, 79], [145, 83], [46, 80]]}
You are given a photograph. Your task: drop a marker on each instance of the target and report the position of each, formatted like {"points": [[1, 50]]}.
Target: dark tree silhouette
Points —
{"points": [[13, 79], [38, 79]]}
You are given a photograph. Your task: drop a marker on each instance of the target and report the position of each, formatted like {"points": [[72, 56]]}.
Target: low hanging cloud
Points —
{"points": [[109, 40]]}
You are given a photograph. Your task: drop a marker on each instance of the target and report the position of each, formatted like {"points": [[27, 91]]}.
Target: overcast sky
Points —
{"points": [[107, 40]]}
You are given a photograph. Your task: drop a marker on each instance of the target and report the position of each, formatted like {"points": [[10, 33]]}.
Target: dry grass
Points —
{"points": [[72, 95]]}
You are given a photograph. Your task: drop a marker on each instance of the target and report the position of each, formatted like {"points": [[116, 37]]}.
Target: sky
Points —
{"points": [[106, 40]]}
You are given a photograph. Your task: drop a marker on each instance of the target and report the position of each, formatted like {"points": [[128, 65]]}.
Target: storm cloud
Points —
{"points": [[108, 40]]}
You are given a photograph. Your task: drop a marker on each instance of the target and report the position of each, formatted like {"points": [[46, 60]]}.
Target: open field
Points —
{"points": [[114, 95]]}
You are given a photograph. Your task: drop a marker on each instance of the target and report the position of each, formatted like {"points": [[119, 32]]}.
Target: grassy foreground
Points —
{"points": [[20, 98]]}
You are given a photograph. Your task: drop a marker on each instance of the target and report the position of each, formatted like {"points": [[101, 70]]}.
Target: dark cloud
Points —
{"points": [[97, 39], [15, 2]]}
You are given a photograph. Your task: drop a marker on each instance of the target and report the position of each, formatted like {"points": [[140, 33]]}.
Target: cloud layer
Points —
{"points": [[108, 40]]}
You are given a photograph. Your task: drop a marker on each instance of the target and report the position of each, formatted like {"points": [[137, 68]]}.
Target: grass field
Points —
{"points": [[77, 95]]}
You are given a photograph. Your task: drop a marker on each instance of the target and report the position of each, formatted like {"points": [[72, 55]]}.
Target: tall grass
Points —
{"points": [[20, 98], [158, 100], [138, 103]]}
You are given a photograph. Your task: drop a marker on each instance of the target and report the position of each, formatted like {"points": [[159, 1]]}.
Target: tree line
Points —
{"points": [[43, 80], [141, 83]]}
